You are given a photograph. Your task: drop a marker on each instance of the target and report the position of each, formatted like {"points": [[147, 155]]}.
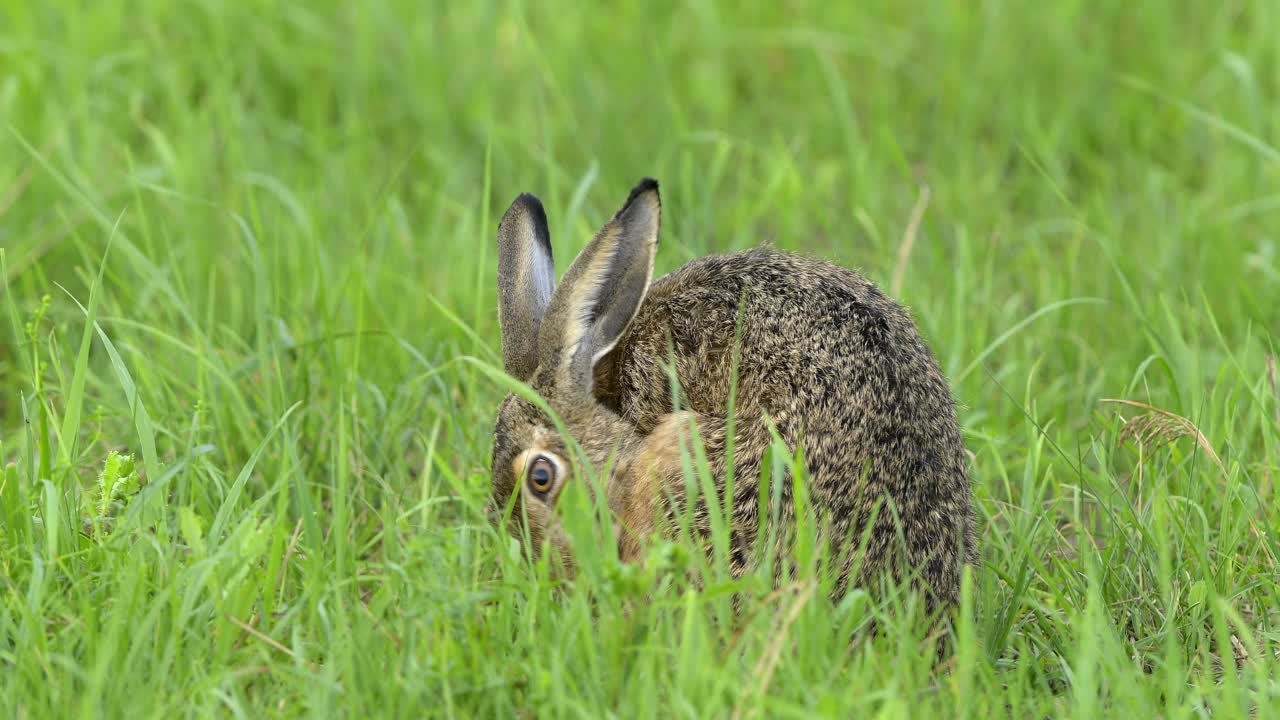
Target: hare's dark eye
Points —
{"points": [[542, 474]]}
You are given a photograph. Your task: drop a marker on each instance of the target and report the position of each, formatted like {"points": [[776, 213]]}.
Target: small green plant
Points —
{"points": [[117, 483]]}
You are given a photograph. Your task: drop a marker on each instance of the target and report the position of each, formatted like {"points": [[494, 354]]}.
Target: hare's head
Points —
{"points": [[552, 339]]}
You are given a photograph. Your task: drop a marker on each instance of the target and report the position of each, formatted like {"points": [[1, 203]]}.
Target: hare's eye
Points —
{"points": [[542, 474]]}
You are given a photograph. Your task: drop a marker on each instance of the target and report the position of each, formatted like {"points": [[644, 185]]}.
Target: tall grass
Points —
{"points": [[247, 258]]}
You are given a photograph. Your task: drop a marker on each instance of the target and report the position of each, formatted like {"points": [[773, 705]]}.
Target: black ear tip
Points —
{"points": [[527, 205], [526, 208], [645, 185]]}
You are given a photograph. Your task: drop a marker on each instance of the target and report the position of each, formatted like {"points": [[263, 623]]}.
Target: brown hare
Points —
{"points": [[824, 360]]}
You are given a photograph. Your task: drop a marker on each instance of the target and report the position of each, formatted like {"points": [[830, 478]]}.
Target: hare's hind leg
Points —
{"points": [[648, 490], [648, 494]]}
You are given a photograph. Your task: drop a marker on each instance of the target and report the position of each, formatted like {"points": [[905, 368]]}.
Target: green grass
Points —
{"points": [[250, 246]]}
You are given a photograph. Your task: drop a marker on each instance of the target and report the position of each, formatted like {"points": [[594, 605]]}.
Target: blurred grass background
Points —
{"points": [[281, 218]]}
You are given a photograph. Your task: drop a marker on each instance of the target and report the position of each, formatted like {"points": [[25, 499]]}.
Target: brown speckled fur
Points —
{"points": [[828, 360]]}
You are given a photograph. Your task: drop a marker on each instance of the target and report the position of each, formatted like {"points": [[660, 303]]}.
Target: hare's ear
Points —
{"points": [[526, 281], [602, 291]]}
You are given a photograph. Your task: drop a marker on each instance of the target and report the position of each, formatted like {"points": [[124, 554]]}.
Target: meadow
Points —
{"points": [[249, 341]]}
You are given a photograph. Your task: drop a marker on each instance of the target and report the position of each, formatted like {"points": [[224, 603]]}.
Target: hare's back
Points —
{"points": [[823, 353], [816, 341]]}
